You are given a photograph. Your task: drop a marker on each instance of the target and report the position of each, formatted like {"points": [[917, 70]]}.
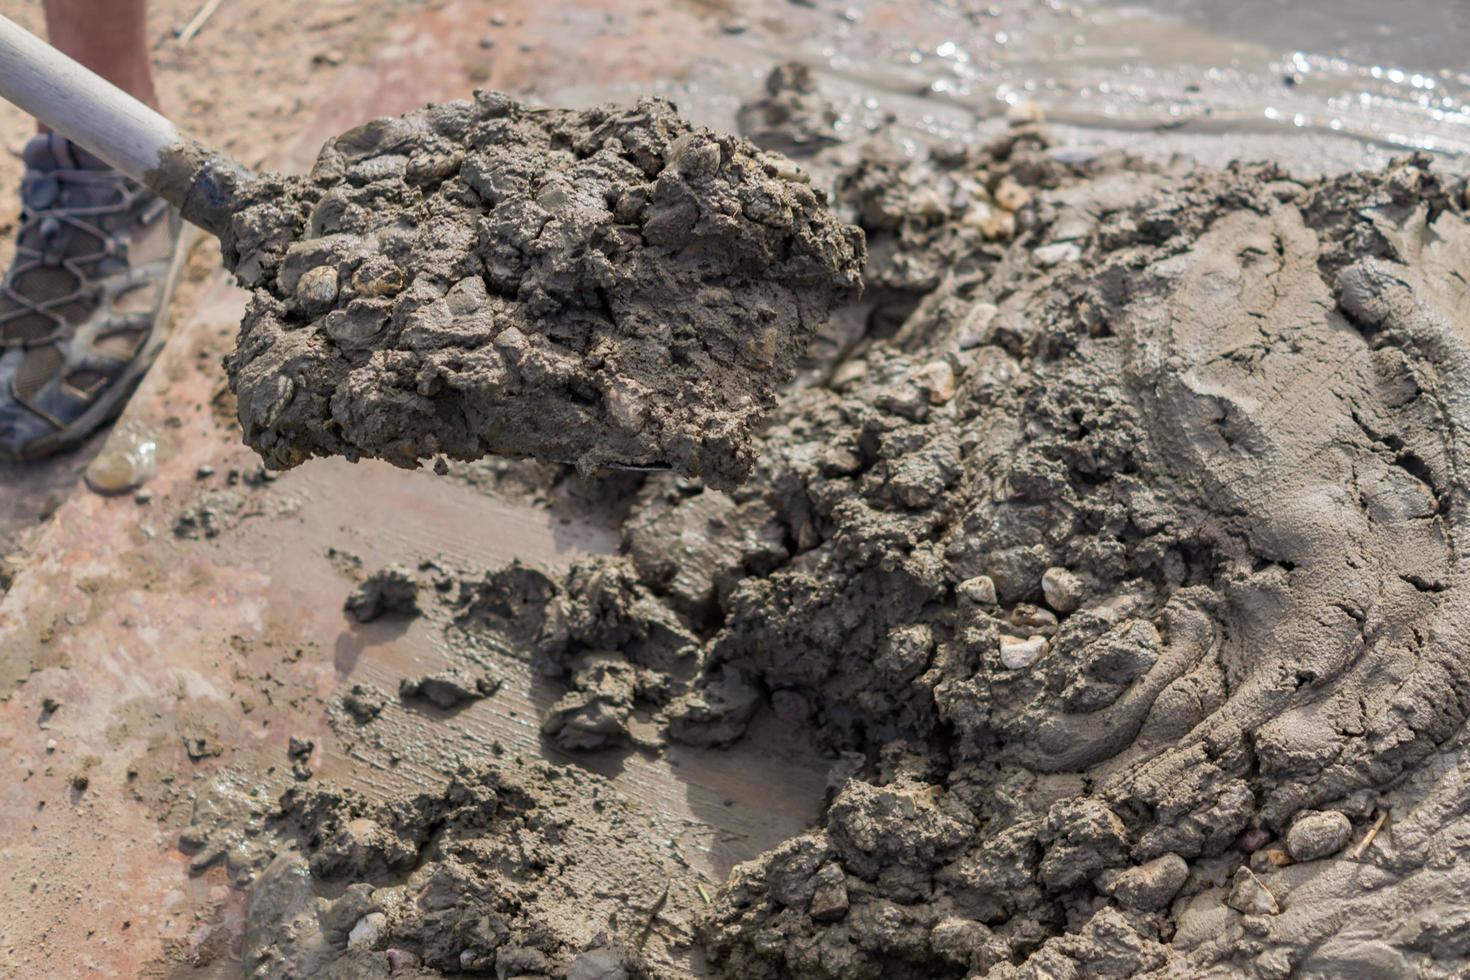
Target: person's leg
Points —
{"points": [[108, 36], [96, 257]]}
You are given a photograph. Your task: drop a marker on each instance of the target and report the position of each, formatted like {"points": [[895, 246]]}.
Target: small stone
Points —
{"points": [[998, 224], [737, 25], [441, 466], [1010, 195], [977, 320], [1318, 834], [487, 42], [50, 745], [1025, 114], [1062, 588], [143, 497], [498, 20], [204, 472], [366, 931], [1034, 619], [979, 590], [316, 290], [1277, 857], [49, 705], [1151, 885], [1017, 654], [829, 899], [937, 380], [847, 373], [1055, 254], [129, 459], [1249, 896]]}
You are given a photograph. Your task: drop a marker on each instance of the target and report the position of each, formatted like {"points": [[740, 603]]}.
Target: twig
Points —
{"points": [[653, 912], [187, 32], [1368, 837], [702, 893]]}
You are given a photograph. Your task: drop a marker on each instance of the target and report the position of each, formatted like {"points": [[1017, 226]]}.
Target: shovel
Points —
{"points": [[97, 115]]}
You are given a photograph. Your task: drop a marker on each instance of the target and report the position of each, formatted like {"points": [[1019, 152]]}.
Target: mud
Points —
{"points": [[1190, 445], [608, 287], [531, 870], [1120, 576]]}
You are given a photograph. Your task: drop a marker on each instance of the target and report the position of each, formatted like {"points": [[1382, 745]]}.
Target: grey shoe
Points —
{"points": [[83, 308]]}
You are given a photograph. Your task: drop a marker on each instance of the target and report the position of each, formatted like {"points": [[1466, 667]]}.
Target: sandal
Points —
{"points": [[83, 309]]}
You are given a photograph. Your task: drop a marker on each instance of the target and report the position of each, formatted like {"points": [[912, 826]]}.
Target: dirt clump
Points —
{"points": [[531, 871], [605, 287], [391, 591]]}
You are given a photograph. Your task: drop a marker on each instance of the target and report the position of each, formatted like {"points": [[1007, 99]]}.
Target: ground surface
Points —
{"points": [[158, 654]]}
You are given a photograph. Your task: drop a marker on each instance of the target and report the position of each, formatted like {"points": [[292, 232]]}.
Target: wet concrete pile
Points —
{"points": [[1122, 578], [608, 287]]}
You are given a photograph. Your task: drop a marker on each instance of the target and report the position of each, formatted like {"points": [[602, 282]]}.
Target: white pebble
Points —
{"points": [[367, 930], [979, 590], [1016, 653], [1063, 589]]}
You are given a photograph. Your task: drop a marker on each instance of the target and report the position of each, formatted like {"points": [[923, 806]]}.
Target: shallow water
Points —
{"points": [[1322, 86]]}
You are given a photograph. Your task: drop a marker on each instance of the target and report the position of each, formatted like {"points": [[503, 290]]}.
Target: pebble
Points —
{"points": [[1055, 254], [1010, 195], [317, 288], [829, 898], [1017, 654], [977, 320], [204, 472], [143, 497], [847, 373], [1248, 895], [1063, 589], [937, 380], [128, 459], [1025, 114], [1318, 834], [367, 930], [979, 590], [1151, 885]]}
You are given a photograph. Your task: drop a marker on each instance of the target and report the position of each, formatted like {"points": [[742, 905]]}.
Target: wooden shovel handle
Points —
{"points": [[95, 114]]}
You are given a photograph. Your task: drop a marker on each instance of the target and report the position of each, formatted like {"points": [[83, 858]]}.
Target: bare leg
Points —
{"points": [[108, 36]]}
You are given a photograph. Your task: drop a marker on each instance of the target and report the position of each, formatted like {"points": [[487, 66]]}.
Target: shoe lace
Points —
{"points": [[53, 224]]}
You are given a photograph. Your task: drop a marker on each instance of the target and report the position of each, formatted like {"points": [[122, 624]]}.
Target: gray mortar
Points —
{"points": [[535, 871], [1217, 417], [1228, 411], [606, 287]]}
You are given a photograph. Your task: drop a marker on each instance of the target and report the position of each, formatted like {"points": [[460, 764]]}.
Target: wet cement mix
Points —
{"points": [[607, 287], [1112, 551]]}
